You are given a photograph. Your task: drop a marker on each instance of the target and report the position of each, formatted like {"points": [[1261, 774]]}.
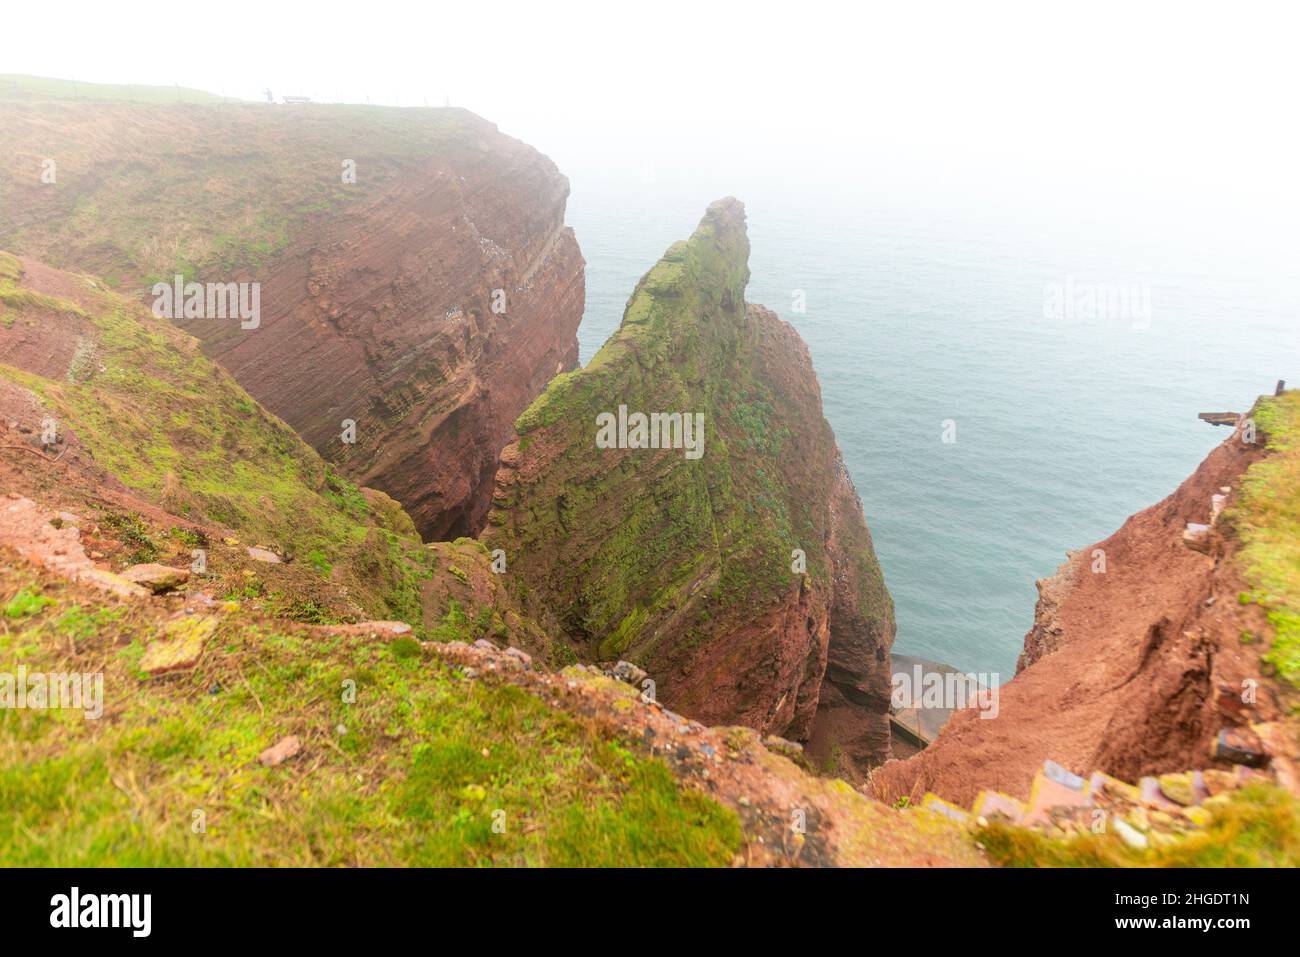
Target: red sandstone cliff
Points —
{"points": [[689, 566], [1131, 670], [377, 295]]}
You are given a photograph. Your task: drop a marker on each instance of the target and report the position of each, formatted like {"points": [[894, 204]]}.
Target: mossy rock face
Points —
{"points": [[681, 555], [172, 426], [389, 514], [464, 600]]}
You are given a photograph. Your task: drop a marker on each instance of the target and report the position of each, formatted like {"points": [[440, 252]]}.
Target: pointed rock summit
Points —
{"points": [[680, 503]]}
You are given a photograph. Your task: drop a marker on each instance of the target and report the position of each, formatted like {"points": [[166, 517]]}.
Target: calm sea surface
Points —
{"points": [[1064, 425]]}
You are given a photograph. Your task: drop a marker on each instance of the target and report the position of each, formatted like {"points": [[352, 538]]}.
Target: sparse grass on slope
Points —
{"points": [[17, 86], [1258, 826], [1268, 521], [176, 427], [424, 767], [148, 190]]}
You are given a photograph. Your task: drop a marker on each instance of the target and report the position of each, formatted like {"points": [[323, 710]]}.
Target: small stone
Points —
{"points": [[1217, 802], [113, 583], [1130, 836], [1219, 782], [1152, 796], [470, 672], [263, 555], [1240, 746], [1055, 772], [386, 627], [626, 671], [181, 646], [281, 751], [1229, 701], [484, 645], [157, 578], [1197, 537], [1179, 788], [522, 656]]}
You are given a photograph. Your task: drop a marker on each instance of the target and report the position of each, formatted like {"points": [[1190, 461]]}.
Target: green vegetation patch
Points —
{"points": [[1267, 519], [174, 426], [403, 761], [155, 182], [620, 541]]}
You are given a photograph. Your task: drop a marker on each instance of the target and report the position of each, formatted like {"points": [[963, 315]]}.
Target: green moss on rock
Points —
{"points": [[649, 553], [175, 427]]}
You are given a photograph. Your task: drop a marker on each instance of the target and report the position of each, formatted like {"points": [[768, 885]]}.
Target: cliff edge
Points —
{"points": [[1169, 645]]}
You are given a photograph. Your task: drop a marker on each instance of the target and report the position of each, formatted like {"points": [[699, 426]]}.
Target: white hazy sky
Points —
{"points": [[1092, 100]]}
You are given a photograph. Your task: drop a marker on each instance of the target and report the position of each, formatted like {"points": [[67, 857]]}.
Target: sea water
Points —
{"points": [[990, 417]]}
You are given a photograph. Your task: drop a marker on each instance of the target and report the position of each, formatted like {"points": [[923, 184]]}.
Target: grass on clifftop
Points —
{"points": [[152, 182], [1267, 519], [424, 767], [18, 86]]}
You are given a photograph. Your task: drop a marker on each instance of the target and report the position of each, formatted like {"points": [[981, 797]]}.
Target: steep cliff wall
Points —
{"points": [[1142, 648], [103, 407], [735, 567], [377, 295]]}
